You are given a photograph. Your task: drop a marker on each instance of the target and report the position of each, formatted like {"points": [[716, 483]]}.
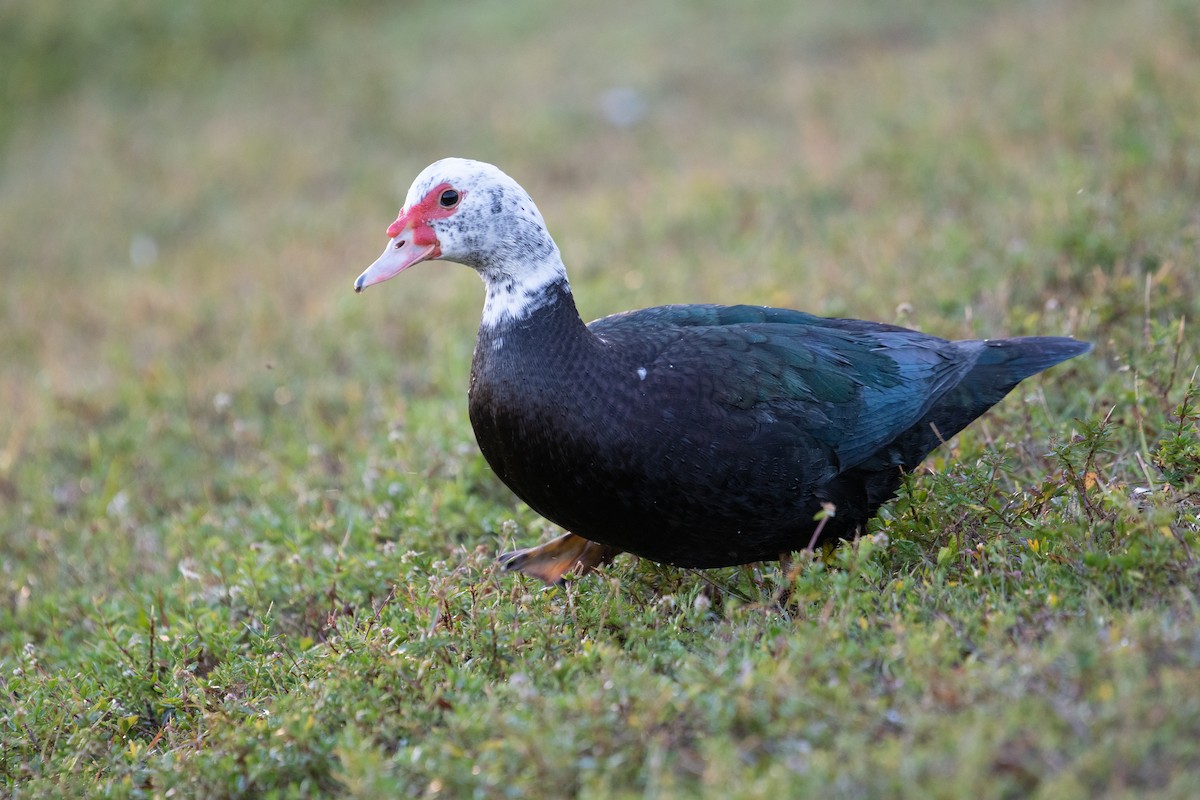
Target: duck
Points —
{"points": [[698, 435]]}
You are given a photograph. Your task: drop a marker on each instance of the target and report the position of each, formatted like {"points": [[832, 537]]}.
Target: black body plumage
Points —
{"points": [[706, 436]]}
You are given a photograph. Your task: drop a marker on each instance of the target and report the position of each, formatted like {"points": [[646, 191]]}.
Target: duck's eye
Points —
{"points": [[449, 199]]}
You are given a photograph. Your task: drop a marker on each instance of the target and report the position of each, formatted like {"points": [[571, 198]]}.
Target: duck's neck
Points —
{"points": [[516, 292], [548, 317], [548, 335]]}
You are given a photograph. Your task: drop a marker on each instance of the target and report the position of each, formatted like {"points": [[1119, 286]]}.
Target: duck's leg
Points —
{"points": [[550, 561]]}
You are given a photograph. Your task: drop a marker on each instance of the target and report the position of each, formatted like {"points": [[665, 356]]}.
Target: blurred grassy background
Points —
{"points": [[200, 171], [196, 402]]}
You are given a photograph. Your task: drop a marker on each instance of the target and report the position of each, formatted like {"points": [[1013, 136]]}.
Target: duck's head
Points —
{"points": [[472, 213]]}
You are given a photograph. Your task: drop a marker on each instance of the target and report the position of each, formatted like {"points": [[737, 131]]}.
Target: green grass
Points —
{"points": [[247, 541]]}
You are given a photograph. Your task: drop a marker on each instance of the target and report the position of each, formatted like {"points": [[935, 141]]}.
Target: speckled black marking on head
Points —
{"points": [[497, 230]]}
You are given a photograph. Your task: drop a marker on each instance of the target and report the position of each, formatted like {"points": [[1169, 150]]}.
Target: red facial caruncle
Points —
{"points": [[438, 203], [413, 238]]}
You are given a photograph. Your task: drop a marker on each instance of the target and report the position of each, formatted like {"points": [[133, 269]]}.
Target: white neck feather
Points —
{"points": [[511, 298]]}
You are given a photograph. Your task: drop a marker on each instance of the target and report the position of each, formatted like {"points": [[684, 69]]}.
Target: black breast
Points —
{"points": [[612, 445]]}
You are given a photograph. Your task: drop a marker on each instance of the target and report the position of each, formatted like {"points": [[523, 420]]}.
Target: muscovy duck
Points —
{"points": [[695, 435]]}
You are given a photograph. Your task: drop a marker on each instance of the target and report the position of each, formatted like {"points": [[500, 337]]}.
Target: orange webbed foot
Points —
{"points": [[550, 561]]}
